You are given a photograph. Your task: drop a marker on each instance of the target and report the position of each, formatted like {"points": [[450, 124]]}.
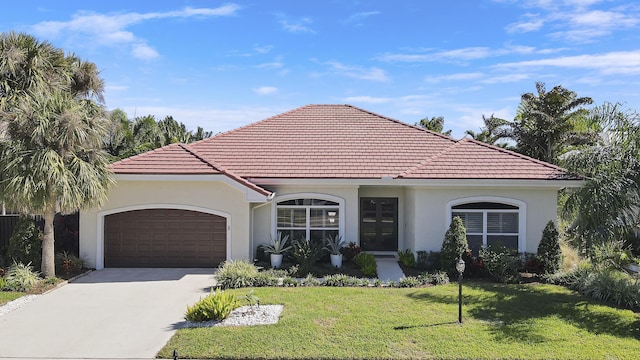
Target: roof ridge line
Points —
{"points": [[224, 171], [422, 164], [404, 123], [516, 154]]}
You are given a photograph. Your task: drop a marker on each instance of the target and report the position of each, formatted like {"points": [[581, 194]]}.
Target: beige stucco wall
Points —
{"points": [[216, 197], [428, 213]]}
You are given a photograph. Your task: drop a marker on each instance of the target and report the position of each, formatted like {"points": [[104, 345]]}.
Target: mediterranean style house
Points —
{"points": [[313, 172]]}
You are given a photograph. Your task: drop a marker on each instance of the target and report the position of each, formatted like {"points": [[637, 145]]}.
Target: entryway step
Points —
{"points": [[388, 268]]}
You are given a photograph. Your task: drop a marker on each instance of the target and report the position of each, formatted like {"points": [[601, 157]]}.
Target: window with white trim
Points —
{"points": [[489, 223], [313, 219]]}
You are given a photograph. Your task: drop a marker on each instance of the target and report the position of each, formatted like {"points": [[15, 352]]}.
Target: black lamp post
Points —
{"points": [[460, 267]]}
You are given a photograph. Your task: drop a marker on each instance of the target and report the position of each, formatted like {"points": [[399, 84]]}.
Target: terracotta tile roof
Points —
{"points": [[170, 159], [471, 159], [323, 141], [176, 159], [340, 142]]}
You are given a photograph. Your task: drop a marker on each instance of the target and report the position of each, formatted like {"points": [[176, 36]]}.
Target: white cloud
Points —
{"points": [[297, 26], [270, 65], [357, 72], [357, 19], [510, 78], [617, 62], [265, 90], [454, 77], [265, 49], [111, 30], [462, 54]]}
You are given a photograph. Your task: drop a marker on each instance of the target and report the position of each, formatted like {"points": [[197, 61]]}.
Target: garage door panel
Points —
{"points": [[164, 238]]}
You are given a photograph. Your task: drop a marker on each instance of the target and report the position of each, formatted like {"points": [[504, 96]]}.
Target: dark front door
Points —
{"points": [[379, 224]]}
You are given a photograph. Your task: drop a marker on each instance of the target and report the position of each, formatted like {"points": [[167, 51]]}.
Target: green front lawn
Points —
{"points": [[500, 321], [6, 296]]}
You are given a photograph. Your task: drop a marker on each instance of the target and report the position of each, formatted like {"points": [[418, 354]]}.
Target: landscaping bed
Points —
{"points": [[500, 321]]}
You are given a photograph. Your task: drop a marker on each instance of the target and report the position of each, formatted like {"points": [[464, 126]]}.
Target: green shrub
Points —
{"points": [[436, 278], [340, 280], [289, 282], [406, 258], [604, 284], [428, 260], [367, 264], [68, 263], [216, 306], [454, 246], [310, 280], [25, 244], [3, 283], [306, 253], [21, 277], [549, 253], [501, 263], [234, 274], [264, 278], [611, 255], [409, 282]]}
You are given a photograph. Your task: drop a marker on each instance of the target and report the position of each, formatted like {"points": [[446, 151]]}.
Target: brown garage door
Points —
{"points": [[164, 238]]}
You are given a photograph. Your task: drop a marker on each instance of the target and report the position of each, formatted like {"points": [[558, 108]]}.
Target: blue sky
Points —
{"points": [[221, 65]]}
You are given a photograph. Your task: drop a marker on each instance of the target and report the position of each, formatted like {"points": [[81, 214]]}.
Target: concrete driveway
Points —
{"points": [[107, 314]]}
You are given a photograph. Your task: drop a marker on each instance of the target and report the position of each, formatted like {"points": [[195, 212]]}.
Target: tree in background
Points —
{"points": [[548, 123], [435, 124], [494, 130], [607, 206], [51, 158], [127, 138]]}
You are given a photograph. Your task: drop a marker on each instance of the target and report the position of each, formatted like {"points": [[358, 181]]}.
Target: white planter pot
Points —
{"points": [[276, 260], [336, 260]]}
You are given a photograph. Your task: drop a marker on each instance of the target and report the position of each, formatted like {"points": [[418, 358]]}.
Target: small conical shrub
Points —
{"points": [[549, 252], [454, 246]]}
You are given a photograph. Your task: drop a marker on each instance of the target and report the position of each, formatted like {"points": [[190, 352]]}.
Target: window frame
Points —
{"points": [[308, 208], [521, 211]]}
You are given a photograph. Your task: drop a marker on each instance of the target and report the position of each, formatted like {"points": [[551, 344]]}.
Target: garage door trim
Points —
{"points": [[101, 215]]}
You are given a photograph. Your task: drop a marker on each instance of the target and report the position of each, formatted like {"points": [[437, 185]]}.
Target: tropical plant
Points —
{"points": [[409, 282], [333, 244], [278, 245], [549, 253], [548, 123], [351, 251], [21, 277], [305, 253], [454, 246], [407, 258], [51, 155], [613, 255], [25, 243], [68, 263], [234, 274], [216, 306], [607, 205], [339, 280]]}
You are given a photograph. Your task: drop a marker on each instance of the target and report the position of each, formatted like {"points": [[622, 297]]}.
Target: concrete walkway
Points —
{"points": [[388, 269], [108, 314]]}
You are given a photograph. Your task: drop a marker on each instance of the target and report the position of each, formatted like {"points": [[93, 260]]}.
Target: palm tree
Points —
{"points": [[546, 123], [435, 124], [494, 130], [51, 158], [608, 205]]}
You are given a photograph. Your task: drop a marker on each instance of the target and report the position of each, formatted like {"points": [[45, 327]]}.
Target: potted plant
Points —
{"points": [[276, 249], [333, 245]]}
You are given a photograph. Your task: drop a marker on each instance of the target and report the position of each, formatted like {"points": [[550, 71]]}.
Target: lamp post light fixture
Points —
{"points": [[460, 265]]}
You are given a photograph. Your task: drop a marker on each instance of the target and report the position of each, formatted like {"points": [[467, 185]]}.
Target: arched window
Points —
{"points": [[308, 218], [490, 223]]}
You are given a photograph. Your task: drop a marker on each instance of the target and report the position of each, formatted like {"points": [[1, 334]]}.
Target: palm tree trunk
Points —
{"points": [[48, 251]]}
